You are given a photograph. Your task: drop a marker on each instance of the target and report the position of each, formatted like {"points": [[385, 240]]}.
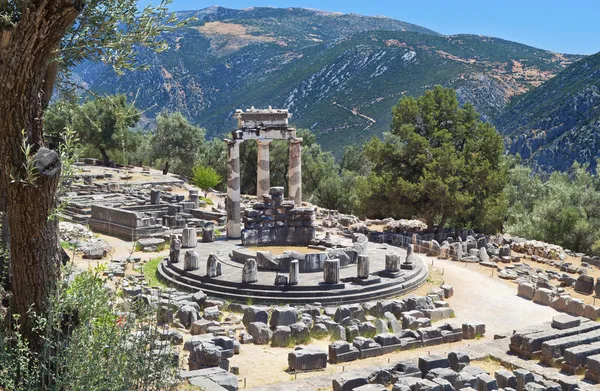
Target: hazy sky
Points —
{"points": [[567, 26]]}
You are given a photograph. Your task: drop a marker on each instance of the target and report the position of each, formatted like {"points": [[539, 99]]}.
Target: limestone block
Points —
{"points": [[208, 234], [283, 316], [260, 332], [526, 291], [306, 358], [282, 336], [427, 363], [543, 296], [473, 330], [213, 266]]}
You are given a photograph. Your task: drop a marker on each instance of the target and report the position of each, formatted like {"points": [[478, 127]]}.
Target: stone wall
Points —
{"points": [[277, 222], [122, 223]]}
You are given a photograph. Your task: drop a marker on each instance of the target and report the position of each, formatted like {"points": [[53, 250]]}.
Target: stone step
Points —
{"points": [[274, 297]]}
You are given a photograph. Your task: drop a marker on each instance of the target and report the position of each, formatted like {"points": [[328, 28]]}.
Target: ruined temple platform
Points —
{"points": [[310, 289]]}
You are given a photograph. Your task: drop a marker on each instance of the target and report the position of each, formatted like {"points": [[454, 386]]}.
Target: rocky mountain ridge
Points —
{"points": [[339, 74]]}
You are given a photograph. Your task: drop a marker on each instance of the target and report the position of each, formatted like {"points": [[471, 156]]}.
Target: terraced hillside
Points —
{"points": [[338, 74]]}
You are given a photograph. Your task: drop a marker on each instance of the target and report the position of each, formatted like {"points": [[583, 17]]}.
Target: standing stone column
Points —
{"points": [[194, 197], [155, 197], [189, 239], [190, 261], [295, 172], [392, 262], [331, 271], [234, 223], [250, 271], [293, 278], [363, 266], [208, 234], [174, 249], [263, 173], [213, 266]]}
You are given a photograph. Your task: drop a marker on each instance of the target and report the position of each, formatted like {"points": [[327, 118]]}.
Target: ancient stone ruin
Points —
{"points": [[263, 126], [277, 222]]}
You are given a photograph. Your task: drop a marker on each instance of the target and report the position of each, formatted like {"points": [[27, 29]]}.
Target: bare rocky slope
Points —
{"points": [[558, 123]]}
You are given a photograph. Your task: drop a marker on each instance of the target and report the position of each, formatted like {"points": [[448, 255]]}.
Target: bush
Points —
{"points": [[93, 341], [206, 177], [564, 210]]}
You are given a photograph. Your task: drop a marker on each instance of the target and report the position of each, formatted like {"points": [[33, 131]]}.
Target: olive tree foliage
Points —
{"points": [[439, 162], [214, 155], [39, 40], [176, 140], [564, 209]]}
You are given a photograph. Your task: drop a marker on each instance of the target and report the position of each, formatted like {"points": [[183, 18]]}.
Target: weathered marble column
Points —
{"points": [[293, 278], [363, 266], [190, 261], [234, 224], [213, 266], [331, 271], [263, 173], [208, 234], [189, 239], [250, 271], [194, 197], [295, 172], [155, 197], [392, 262], [174, 249]]}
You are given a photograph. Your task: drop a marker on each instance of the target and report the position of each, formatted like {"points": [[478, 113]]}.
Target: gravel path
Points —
{"points": [[479, 297]]}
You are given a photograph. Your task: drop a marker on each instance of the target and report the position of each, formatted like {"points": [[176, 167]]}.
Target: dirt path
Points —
{"points": [[480, 297]]}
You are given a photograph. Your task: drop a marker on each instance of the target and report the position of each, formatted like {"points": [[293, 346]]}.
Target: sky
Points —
{"points": [[565, 26]]}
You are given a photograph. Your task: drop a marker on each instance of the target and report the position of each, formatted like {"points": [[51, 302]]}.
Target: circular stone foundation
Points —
{"points": [[310, 288]]}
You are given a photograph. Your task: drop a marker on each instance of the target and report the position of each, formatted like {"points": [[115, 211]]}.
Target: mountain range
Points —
{"points": [[340, 75]]}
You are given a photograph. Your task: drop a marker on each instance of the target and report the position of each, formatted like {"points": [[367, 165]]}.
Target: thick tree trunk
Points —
{"points": [[105, 158], [4, 241], [430, 224], [442, 223], [35, 251]]}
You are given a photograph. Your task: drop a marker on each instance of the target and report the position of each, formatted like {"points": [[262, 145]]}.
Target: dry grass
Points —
{"points": [[488, 364]]}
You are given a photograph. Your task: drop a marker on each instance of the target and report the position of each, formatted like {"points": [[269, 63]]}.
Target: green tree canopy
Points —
{"points": [[438, 162], [206, 178], [104, 122], [177, 140], [564, 209]]}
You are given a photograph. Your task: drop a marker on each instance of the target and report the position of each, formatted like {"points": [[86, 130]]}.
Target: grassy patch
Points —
{"points": [[68, 245], [207, 200], [160, 247], [150, 271]]}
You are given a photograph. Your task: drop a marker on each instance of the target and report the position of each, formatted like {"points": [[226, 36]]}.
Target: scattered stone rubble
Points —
{"points": [[275, 221], [571, 342], [440, 373], [133, 211]]}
